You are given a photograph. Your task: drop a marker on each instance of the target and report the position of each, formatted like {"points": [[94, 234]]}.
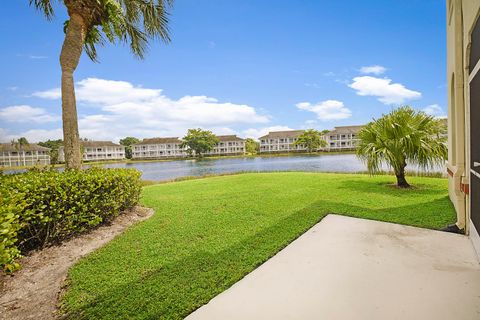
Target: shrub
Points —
{"points": [[11, 206], [39, 208]]}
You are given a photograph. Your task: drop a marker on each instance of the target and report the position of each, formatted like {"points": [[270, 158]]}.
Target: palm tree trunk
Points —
{"points": [[401, 181], [69, 58]]}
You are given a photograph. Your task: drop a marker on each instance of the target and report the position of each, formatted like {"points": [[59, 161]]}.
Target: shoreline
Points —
{"points": [[132, 161], [147, 183]]}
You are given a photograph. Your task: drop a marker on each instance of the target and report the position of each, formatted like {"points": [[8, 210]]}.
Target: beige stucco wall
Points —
{"points": [[461, 17]]}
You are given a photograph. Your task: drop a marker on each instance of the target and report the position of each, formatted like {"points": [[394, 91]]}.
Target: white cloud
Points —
{"points": [[376, 69], [100, 91], [36, 57], [388, 93], [258, 132], [25, 113], [434, 110], [313, 85], [53, 94], [12, 88], [34, 135], [327, 110], [125, 109], [32, 56]]}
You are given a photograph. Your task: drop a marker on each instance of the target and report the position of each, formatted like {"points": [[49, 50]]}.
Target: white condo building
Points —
{"points": [[228, 145], [342, 138], [97, 151], [280, 141], [155, 148], [13, 155]]}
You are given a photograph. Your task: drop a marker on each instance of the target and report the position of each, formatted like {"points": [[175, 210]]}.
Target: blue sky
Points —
{"points": [[239, 67]]}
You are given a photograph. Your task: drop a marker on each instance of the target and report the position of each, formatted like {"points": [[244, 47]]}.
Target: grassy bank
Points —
{"points": [[207, 234]]}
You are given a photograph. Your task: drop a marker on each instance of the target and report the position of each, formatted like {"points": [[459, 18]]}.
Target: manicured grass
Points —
{"points": [[207, 234]]}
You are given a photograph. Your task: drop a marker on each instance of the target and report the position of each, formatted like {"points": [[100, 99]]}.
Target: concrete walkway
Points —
{"points": [[347, 268]]}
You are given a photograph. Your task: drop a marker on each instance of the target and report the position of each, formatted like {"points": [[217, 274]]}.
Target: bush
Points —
{"points": [[39, 208]]}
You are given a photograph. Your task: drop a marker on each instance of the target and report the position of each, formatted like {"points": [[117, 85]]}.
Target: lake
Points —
{"points": [[168, 170]]}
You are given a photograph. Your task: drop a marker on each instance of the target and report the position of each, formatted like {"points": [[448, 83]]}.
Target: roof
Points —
{"points": [[99, 144], [345, 129], [231, 137], [16, 147], [283, 134], [158, 141]]}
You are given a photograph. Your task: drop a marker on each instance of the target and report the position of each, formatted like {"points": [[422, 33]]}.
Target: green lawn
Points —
{"points": [[207, 234]]}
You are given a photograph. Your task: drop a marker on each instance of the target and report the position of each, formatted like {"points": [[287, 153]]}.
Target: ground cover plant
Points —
{"points": [[208, 233]]}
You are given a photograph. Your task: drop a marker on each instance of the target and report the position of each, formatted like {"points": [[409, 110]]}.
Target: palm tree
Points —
{"points": [[91, 23], [400, 137], [20, 143]]}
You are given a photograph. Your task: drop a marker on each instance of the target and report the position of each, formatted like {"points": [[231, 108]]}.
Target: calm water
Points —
{"points": [[181, 168]]}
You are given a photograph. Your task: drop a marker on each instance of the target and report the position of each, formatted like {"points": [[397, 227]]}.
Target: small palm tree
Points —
{"points": [[91, 23], [400, 137], [20, 143]]}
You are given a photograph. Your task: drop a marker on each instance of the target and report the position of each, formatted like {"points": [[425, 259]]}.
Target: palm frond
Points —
{"points": [[44, 6], [400, 137]]}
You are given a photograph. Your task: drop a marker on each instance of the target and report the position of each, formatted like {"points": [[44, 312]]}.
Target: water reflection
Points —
{"points": [[181, 168]]}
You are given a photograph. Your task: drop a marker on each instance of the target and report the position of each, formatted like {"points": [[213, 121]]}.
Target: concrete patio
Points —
{"points": [[347, 268]]}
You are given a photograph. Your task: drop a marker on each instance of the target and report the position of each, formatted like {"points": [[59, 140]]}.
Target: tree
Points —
{"points": [[127, 142], [400, 137], [54, 145], [310, 139], [252, 146], [198, 141], [92, 23], [20, 143]]}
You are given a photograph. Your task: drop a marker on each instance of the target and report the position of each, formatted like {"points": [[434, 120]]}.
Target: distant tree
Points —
{"points": [[310, 139], [252, 146], [23, 141], [94, 22], [400, 137], [54, 145], [20, 143], [324, 132], [198, 141], [127, 142]]}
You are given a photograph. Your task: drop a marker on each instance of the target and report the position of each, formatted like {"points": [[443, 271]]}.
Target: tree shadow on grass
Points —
{"points": [[175, 290]]}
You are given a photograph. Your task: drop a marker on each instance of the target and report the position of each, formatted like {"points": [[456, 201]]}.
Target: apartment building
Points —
{"points": [[13, 155], [342, 138], [228, 145], [155, 148], [97, 151], [280, 141]]}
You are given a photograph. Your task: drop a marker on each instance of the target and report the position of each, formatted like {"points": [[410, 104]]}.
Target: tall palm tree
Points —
{"points": [[400, 137], [91, 23]]}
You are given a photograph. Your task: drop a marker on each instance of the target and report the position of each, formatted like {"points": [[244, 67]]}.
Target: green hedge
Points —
{"points": [[38, 208]]}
